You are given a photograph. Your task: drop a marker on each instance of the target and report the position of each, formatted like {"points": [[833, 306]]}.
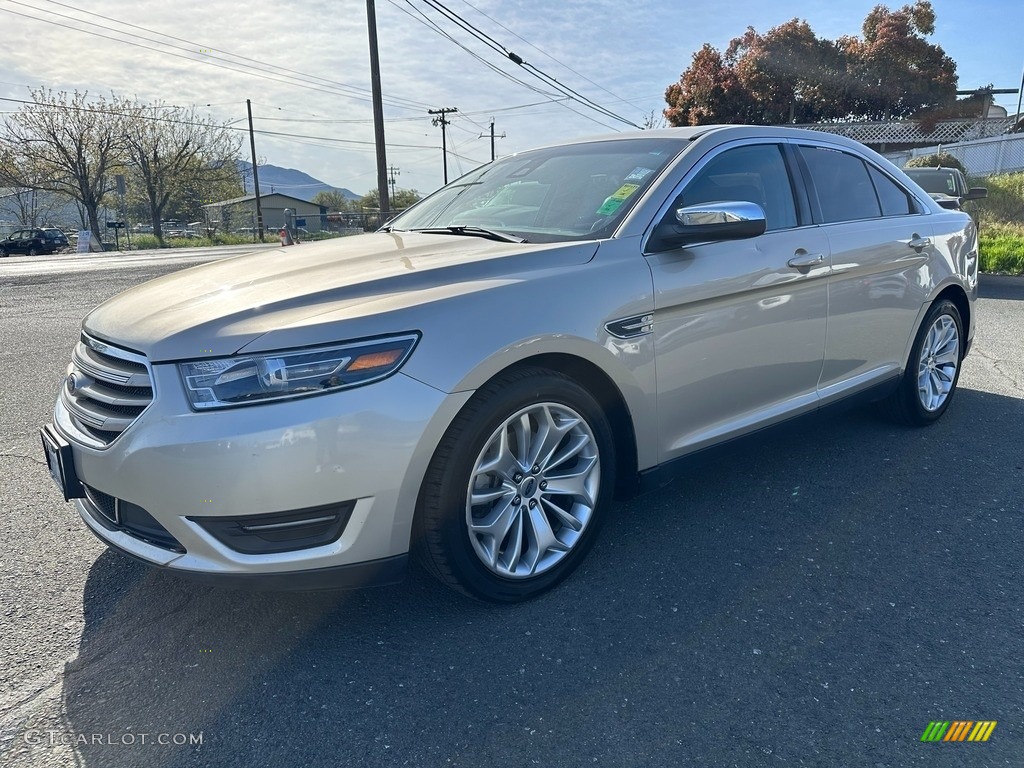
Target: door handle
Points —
{"points": [[919, 243], [806, 260]]}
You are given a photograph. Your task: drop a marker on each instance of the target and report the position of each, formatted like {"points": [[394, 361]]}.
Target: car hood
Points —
{"points": [[217, 309]]}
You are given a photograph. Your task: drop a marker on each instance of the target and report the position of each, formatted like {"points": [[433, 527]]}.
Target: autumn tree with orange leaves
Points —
{"points": [[790, 75]]}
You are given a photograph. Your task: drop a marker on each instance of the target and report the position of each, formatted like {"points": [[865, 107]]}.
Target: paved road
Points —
{"points": [[73, 263], [812, 598]]}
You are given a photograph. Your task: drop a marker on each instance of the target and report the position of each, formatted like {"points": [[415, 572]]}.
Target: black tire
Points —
{"points": [[907, 403], [33, 251], [443, 540]]}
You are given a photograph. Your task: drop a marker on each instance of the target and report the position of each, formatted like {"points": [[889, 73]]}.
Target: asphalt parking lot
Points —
{"points": [[815, 596]]}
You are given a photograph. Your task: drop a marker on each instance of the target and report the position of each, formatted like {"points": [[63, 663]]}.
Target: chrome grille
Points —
{"points": [[106, 389]]}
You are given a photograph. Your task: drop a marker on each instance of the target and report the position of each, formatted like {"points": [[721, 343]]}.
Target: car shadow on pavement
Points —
{"points": [[799, 579], [1005, 287]]}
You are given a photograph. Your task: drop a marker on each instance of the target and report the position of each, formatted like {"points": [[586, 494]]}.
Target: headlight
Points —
{"points": [[254, 379]]}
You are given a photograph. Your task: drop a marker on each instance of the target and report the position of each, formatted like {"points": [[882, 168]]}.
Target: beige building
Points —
{"points": [[239, 214]]}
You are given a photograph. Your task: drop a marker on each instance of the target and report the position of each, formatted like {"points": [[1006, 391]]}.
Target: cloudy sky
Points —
{"points": [[305, 66]]}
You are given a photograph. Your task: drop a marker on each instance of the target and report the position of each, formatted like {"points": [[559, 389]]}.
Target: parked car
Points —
{"points": [[33, 242], [947, 186], [476, 382]]}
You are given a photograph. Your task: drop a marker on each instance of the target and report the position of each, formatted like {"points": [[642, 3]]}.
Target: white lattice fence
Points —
{"points": [[944, 132]]}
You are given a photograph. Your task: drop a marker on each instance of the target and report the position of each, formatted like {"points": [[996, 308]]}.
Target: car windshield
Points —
{"points": [[573, 192]]}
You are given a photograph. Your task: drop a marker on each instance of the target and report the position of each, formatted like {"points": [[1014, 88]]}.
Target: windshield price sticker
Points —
{"points": [[616, 199]]}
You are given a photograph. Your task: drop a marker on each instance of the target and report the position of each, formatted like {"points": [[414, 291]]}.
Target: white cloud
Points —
{"points": [[632, 50]]}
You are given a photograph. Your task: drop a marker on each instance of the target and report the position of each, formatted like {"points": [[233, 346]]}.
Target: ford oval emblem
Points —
{"points": [[72, 383]]}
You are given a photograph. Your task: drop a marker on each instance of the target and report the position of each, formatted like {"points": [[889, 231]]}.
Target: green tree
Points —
{"points": [[65, 144], [334, 201], [403, 198], [789, 74], [179, 157]]}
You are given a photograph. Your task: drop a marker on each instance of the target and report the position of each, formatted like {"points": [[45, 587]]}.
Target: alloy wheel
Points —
{"points": [[533, 490], [940, 356]]}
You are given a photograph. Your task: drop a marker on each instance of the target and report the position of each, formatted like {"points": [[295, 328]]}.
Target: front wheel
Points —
{"points": [[930, 379], [518, 488]]}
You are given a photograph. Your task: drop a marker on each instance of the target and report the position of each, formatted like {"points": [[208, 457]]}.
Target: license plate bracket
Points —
{"points": [[61, 463]]}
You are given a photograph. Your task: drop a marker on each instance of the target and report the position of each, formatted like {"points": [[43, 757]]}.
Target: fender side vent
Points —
{"points": [[630, 327]]}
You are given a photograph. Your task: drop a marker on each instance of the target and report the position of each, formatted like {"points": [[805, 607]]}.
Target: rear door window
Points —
{"points": [[843, 185], [894, 199]]}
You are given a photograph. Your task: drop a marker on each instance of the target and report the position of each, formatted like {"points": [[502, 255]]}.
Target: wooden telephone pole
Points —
{"points": [[440, 120]]}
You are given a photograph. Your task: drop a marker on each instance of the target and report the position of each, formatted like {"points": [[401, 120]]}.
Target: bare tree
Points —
{"points": [[174, 152], [65, 144]]}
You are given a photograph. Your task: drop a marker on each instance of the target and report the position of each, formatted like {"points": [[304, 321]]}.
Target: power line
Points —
{"points": [[327, 87], [548, 55], [427, 21], [536, 71], [347, 121], [197, 46], [421, 17], [225, 127]]}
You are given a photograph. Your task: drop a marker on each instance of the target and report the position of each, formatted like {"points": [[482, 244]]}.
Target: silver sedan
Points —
{"points": [[477, 381]]}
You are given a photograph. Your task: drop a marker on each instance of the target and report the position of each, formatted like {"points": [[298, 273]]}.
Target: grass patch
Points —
{"points": [[1002, 248], [1005, 201], [142, 242], [147, 242]]}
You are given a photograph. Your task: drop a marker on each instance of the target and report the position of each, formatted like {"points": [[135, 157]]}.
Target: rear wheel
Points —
{"points": [[929, 383], [519, 485]]}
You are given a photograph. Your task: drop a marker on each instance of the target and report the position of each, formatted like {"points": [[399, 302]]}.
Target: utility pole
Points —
{"points": [[392, 173], [1020, 95], [255, 173], [986, 99], [440, 120], [493, 137], [378, 113]]}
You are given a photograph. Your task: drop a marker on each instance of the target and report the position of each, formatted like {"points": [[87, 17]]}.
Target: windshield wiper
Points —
{"points": [[471, 231]]}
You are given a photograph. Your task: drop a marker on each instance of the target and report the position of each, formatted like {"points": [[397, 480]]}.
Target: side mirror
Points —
{"points": [[734, 220], [976, 193]]}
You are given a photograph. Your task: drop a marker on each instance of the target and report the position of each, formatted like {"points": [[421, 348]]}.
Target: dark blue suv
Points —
{"points": [[33, 242]]}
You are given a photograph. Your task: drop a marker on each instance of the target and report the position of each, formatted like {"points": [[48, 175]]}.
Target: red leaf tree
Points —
{"points": [[790, 75]]}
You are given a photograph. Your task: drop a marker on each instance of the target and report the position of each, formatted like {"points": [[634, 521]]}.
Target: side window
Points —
{"points": [[756, 173], [894, 199], [844, 188]]}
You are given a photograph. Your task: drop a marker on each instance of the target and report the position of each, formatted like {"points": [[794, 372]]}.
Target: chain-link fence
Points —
{"points": [[981, 157]]}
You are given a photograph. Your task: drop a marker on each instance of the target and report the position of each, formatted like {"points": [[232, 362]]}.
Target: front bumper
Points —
{"points": [[358, 454]]}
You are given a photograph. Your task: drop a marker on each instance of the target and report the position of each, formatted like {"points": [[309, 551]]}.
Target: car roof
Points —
{"points": [[720, 133]]}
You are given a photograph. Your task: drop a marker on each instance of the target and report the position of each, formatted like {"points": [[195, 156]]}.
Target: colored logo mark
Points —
{"points": [[958, 730]]}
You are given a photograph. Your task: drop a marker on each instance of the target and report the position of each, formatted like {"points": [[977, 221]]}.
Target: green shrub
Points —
{"points": [[941, 160], [1002, 248]]}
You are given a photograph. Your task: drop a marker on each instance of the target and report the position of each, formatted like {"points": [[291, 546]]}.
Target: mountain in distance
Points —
{"points": [[288, 181]]}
